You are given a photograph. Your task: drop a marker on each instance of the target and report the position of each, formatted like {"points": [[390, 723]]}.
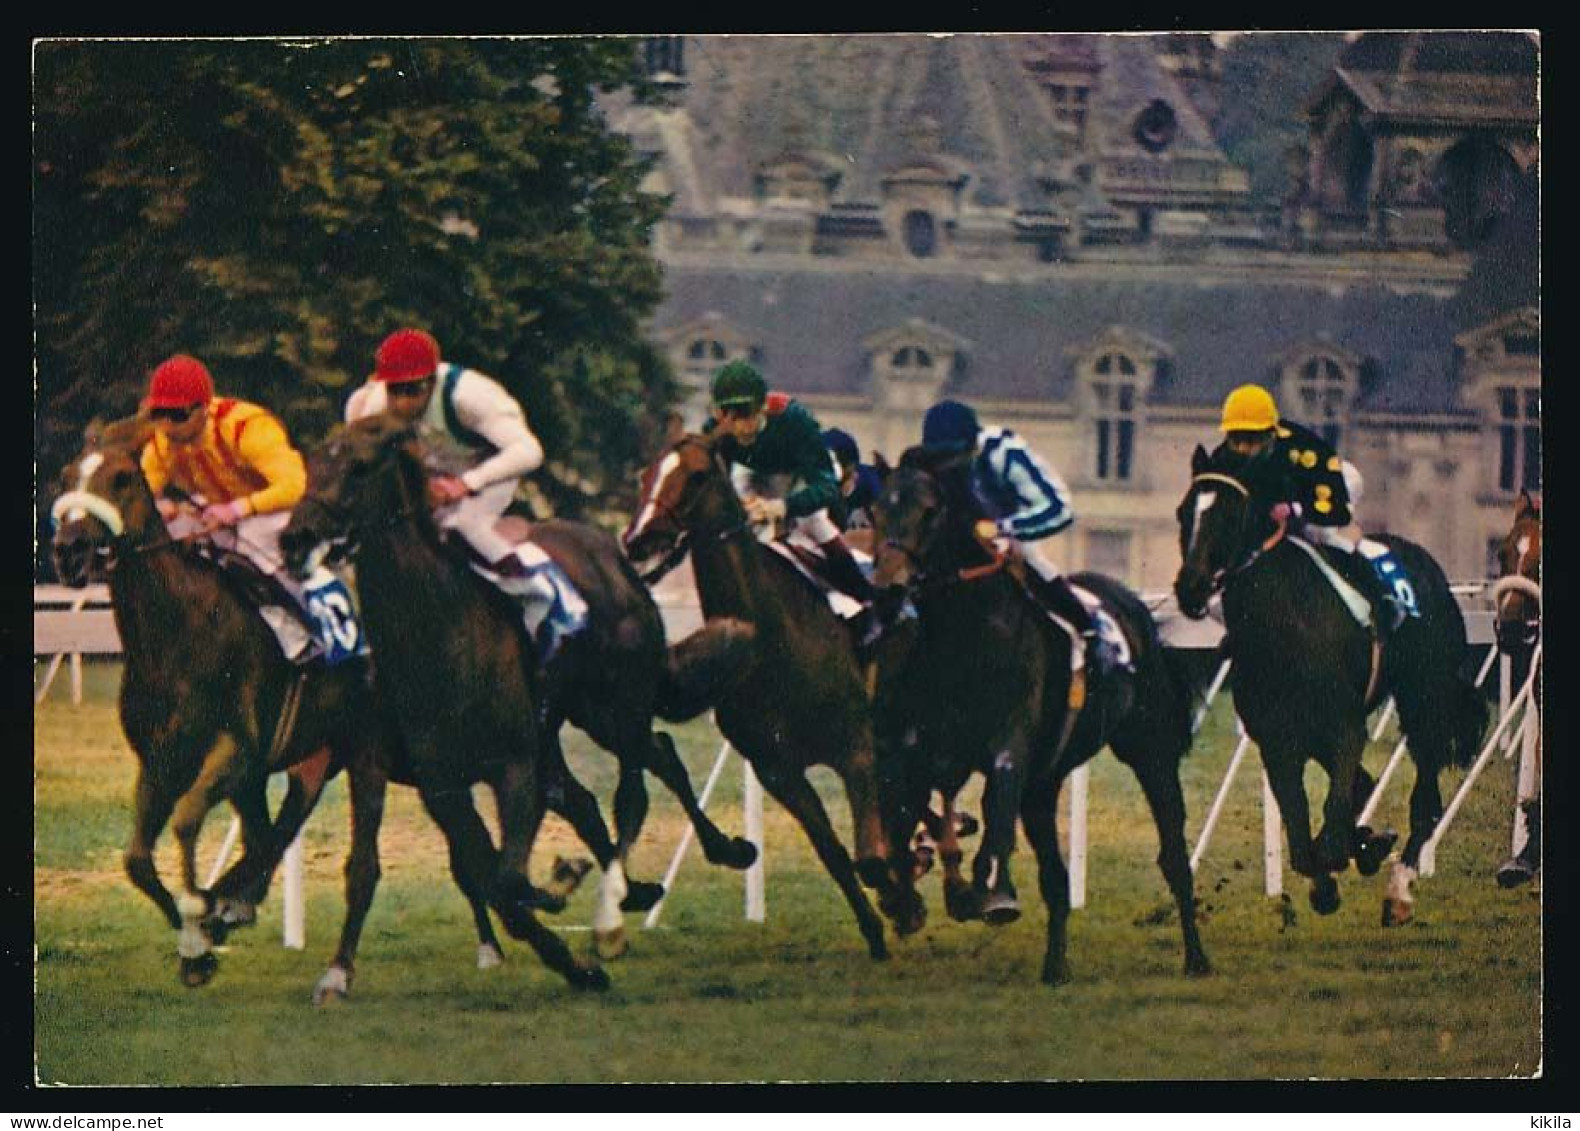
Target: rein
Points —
{"points": [[1221, 578]]}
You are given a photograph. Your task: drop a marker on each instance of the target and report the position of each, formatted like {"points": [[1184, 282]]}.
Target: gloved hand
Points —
{"points": [[760, 510], [1283, 513], [226, 514], [167, 508], [444, 489]]}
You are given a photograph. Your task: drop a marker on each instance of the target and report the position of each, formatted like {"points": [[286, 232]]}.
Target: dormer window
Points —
{"points": [[1519, 438], [665, 55], [921, 234], [908, 356], [1115, 417], [707, 350], [1070, 102], [1114, 375]]}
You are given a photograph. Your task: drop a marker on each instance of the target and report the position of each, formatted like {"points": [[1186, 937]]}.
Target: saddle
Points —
{"points": [[807, 561], [256, 589]]}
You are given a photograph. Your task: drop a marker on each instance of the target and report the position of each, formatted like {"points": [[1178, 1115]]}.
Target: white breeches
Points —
{"points": [[474, 517], [1032, 553]]}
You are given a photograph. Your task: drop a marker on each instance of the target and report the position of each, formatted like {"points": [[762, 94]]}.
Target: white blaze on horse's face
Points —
{"points": [[1204, 503], [666, 468], [85, 470]]}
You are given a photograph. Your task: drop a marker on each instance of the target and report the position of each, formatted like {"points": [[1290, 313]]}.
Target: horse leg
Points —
{"points": [[630, 813], [219, 776], [1370, 848], [859, 771], [1161, 785], [1285, 776], [1039, 813], [369, 785], [1426, 809], [151, 811], [665, 764], [565, 795], [798, 797], [1001, 806], [957, 889], [239, 891], [520, 814], [1336, 841]]}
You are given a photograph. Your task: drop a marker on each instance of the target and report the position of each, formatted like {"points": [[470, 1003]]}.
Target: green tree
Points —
{"points": [[276, 208]]}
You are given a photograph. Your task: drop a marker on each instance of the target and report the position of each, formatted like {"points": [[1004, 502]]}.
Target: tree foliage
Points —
{"points": [[276, 208]]}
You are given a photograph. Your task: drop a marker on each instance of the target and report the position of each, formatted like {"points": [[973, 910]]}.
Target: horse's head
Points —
{"points": [[686, 492], [369, 468], [908, 518], [1221, 527], [1518, 590], [104, 499]]}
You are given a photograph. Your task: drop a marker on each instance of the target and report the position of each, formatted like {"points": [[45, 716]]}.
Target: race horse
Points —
{"points": [[208, 702], [980, 681], [1517, 594], [799, 700], [1307, 671]]}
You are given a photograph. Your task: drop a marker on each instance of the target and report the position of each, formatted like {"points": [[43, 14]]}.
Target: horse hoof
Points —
{"points": [[611, 944], [1396, 912], [907, 913], [334, 986], [198, 971], [966, 825], [488, 957], [878, 949], [962, 902], [1374, 849], [873, 870], [739, 855], [1055, 974], [641, 895], [1513, 872], [1197, 966], [564, 878], [1000, 909], [588, 978], [1325, 897]]}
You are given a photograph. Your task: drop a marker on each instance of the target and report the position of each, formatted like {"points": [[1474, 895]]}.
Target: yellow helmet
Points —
{"points": [[1249, 408]]}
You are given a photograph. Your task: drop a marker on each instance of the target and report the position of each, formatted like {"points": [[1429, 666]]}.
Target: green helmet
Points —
{"points": [[739, 384]]}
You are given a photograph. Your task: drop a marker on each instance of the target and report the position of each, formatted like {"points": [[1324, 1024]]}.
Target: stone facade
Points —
{"points": [[1048, 227]]}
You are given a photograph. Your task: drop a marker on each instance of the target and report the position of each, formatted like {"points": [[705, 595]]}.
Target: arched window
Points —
{"points": [[1115, 402], [907, 356], [705, 349], [1475, 181], [1323, 396], [921, 234]]}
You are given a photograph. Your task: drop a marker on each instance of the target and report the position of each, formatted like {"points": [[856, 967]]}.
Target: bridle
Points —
{"points": [[680, 518], [1246, 557], [922, 580]]}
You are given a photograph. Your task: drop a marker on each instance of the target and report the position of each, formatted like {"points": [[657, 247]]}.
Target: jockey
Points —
{"points": [[770, 434], [859, 483], [478, 447], [1318, 489], [1029, 503], [235, 461]]}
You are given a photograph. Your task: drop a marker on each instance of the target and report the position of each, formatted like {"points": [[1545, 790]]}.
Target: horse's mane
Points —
{"points": [[129, 433]]}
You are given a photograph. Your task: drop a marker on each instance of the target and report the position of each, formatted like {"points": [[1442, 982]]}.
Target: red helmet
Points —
{"points": [[406, 355], [180, 382]]}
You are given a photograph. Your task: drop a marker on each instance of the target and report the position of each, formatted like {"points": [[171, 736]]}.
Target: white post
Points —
{"points": [[49, 676], [1272, 839], [1212, 693], [76, 679], [295, 896], [1079, 783], [227, 846], [1523, 700], [1527, 782], [1382, 722], [756, 886], [1217, 802], [685, 838]]}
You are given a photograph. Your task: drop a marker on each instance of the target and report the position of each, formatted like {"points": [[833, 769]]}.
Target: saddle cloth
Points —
{"points": [[322, 623], [1107, 627], [801, 551], [551, 607], [1360, 608]]}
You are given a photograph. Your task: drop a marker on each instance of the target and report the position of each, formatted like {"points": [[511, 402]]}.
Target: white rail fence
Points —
{"points": [[69, 624]]}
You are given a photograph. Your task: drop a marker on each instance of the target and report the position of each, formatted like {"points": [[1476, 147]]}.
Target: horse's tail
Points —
{"points": [[703, 668], [1170, 704], [1470, 723]]}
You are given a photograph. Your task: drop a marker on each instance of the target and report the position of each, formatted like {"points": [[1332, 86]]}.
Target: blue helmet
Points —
{"points": [[949, 426], [843, 445]]}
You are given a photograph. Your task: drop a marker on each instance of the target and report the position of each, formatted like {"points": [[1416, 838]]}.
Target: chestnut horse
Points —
{"points": [[1518, 594], [204, 689], [799, 700]]}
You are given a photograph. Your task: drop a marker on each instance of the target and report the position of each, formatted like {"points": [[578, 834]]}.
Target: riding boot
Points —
{"points": [[1055, 595], [845, 573]]}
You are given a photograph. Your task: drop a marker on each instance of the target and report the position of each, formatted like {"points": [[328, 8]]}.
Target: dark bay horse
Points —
{"points": [[202, 698], [1304, 676], [454, 672], [981, 681], [611, 680], [799, 701], [1518, 596]]}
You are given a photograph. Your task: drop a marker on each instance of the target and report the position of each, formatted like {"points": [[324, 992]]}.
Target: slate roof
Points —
{"points": [[810, 325]]}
